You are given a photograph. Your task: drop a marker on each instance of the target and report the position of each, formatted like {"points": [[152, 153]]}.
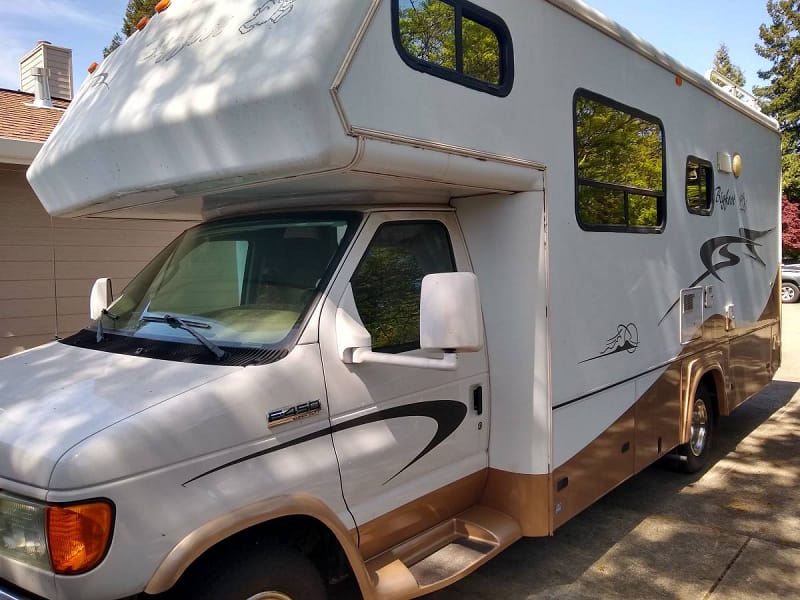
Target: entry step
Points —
{"points": [[443, 554]]}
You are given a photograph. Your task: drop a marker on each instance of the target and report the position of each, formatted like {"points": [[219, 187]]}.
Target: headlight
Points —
{"points": [[68, 539], [22, 535]]}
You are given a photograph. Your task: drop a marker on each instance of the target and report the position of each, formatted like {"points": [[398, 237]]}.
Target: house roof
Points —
{"points": [[21, 121]]}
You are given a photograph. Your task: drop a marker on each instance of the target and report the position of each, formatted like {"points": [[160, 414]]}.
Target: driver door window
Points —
{"points": [[386, 285]]}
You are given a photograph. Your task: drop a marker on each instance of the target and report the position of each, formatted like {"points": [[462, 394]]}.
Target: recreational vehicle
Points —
{"points": [[459, 269]]}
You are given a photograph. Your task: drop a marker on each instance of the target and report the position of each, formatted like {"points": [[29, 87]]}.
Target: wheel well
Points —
{"points": [[712, 382], [303, 533]]}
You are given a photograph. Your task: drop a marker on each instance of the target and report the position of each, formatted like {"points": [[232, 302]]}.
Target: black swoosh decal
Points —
{"points": [[448, 414], [723, 243]]}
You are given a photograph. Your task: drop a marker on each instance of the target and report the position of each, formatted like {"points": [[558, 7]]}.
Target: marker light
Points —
{"points": [[736, 164], [78, 536], [142, 22], [163, 5], [92, 68]]}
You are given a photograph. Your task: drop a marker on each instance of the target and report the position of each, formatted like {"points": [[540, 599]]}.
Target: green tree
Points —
{"points": [[134, 12], [780, 97], [724, 66]]}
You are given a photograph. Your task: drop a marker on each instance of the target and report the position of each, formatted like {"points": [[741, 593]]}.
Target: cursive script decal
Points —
{"points": [[165, 51], [626, 340], [270, 11], [99, 80], [722, 246], [728, 199]]}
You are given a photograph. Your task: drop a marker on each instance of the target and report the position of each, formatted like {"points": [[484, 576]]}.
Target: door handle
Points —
{"points": [[477, 399]]}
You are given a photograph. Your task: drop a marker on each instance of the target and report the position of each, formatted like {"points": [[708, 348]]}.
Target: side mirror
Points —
{"points": [[450, 321], [100, 297], [450, 313]]}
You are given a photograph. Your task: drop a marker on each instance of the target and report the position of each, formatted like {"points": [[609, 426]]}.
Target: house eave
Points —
{"points": [[18, 152]]}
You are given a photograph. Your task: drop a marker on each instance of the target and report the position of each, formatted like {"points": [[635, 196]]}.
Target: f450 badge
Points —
{"points": [[283, 416]]}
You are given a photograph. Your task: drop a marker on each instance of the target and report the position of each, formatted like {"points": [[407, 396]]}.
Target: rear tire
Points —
{"points": [[790, 293], [266, 572], [696, 451]]}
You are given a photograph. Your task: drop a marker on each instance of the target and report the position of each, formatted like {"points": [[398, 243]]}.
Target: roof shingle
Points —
{"points": [[29, 123]]}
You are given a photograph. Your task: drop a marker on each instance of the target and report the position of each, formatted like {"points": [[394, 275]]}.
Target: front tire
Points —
{"points": [[790, 293], [258, 572], [696, 451]]}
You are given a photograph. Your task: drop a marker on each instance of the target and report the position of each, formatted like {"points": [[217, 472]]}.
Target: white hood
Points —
{"points": [[55, 396]]}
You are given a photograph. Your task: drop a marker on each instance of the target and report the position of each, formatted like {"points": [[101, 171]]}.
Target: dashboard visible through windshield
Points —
{"points": [[238, 283]]}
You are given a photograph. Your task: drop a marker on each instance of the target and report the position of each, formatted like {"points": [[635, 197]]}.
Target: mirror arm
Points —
{"points": [[449, 362]]}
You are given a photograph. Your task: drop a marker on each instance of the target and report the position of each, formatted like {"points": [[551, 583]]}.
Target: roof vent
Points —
{"points": [[42, 88]]}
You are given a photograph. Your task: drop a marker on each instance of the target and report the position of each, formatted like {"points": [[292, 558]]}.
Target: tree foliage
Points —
{"points": [[724, 66], [790, 213], [134, 12], [781, 95]]}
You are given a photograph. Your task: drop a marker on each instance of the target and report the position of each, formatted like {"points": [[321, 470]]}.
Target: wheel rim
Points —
{"points": [[270, 596], [787, 294], [699, 427]]}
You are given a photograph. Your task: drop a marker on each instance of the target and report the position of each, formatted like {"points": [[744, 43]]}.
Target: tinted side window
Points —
{"points": [[455, 40], [699, 186], [619, 166], [387, 283]]}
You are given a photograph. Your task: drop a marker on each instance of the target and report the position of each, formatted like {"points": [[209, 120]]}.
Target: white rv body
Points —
{"points": [[598, 341]]}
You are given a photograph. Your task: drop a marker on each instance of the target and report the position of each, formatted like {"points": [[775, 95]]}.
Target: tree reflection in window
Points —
{"points": [[444, 34], [428, 31], [619, 156], [699, 186], [387, 283]]}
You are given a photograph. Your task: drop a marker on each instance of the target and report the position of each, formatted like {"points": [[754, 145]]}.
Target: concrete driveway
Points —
{"points": [[730, 532]]}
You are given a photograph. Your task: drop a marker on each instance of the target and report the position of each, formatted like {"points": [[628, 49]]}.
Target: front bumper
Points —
{"points": [[10, 592]]}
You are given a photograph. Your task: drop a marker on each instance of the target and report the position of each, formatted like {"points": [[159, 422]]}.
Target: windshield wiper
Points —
{"points": [[99, 324], [189, 326]]}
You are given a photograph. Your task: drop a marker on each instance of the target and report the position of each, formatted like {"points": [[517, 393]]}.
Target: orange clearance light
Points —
{"points": [[678, 80], [163, 5], [142, 22], [92, 68], [78, 536]]}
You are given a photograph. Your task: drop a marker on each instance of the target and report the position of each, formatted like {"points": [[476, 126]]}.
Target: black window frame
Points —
{"points": [[661, 197], [481, 16], [415, 345], [706, 164]]}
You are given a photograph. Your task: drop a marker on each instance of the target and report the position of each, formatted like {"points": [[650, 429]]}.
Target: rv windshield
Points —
{"points": [[243, 282]]}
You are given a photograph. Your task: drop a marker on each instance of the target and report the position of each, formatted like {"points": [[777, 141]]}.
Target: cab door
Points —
{"points": [[412, 443]]}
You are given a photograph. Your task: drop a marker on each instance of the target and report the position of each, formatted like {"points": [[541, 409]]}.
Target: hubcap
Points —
{"points": [[269, 596], [699, 428], [787, 294]]}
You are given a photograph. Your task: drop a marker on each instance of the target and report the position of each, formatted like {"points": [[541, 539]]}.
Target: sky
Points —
{"points": [[690, 31]]}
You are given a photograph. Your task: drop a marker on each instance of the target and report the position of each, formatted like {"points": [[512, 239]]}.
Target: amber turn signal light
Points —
{"points": [[78, 536], [92, 68], [163, 5], [142, 22]]}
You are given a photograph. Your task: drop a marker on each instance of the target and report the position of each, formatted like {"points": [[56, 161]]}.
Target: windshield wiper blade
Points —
{"points": [[99, 324], [189, 326]]}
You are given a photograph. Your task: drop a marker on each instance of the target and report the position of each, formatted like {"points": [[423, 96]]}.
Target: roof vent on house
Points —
{"points": [[42, 89], [56, 64]]}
